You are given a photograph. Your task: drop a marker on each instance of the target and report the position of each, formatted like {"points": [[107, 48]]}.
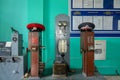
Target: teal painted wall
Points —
{"points": [[51, 9], [13, 13], [111, 64], [21, 12]]}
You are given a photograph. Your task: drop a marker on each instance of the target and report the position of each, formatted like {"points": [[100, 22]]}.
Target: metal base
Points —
{"points": [[60, 69]]}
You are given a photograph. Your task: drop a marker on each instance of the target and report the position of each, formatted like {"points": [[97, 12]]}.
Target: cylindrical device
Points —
{"points": [[87, 48], [34, 46]]}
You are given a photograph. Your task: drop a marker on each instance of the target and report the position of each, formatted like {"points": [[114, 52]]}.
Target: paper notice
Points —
{"points": [[97, 20], [116, 3], [107, 22], [87, 19], [98, 3], [77, 4], [87, 3], [76, 21], [100, 50], [118, 24], [8, 44]]}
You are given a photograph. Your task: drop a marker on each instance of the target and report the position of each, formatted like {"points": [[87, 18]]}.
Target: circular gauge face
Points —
{"points": [[14, 39]]}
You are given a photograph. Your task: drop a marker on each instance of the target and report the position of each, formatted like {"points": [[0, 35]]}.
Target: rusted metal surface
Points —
{"points": [[34, 48], [87, 48], [87, 39], [88, 63]]}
